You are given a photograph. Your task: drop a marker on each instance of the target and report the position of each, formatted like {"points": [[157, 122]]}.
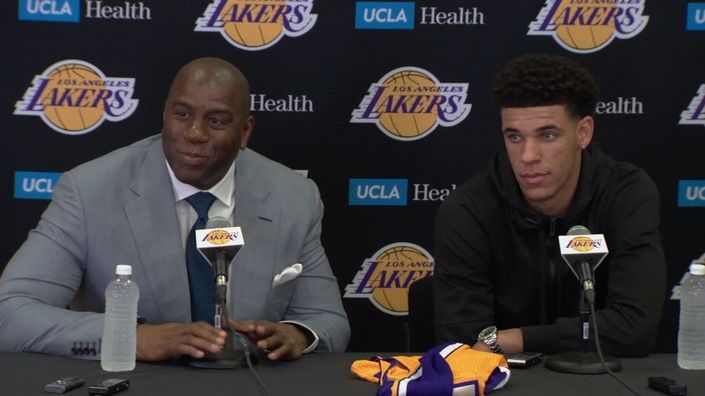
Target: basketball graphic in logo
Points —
{"points": [[65, 116], [408, 125], [408, 103], [385, 277], [582, 244], [74, 97], [588, 26], [257, 24], [585, 37]]}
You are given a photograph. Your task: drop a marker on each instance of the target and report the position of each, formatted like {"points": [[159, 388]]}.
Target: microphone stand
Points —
{"points": [[583, 361], [228, 357]]}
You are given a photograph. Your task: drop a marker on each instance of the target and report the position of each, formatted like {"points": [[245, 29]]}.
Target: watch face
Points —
{"points": [[487, 332]]}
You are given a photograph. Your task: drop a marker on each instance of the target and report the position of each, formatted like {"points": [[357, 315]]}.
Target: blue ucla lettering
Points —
{"points": [[384, 15], [377, 192], [48, 7], [693, 193], [42, 185], [700, 16]]}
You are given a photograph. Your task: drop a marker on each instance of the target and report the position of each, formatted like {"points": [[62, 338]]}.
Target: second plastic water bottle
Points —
{"points": [[691, 330], [119, 344]]}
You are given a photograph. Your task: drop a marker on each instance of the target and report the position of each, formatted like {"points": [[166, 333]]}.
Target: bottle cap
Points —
{"points": [[697, 268], [123, 269]]}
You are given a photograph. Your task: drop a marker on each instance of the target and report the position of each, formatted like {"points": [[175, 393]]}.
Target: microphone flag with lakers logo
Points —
{"points": [[447, 369], [580, 245], [583, 252], [219, 243]]}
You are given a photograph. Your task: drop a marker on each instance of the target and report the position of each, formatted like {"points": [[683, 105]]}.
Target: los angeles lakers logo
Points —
{"points": [[695, 114], [585, 26], [257, 24], [74, 97], [219, 237], [408, 103], [584, 244], [385, 277]]}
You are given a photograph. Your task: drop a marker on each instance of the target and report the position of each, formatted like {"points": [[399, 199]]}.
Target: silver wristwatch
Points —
{"points": [[488, 336]]}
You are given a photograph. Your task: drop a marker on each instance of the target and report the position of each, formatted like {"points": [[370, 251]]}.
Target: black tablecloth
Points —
{"points": [[25, 374]]}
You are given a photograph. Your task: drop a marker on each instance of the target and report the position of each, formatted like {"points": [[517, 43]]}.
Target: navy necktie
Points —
{"points": [[200, 272]]}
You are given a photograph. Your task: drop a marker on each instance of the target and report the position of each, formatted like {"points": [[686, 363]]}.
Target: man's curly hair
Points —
{"points": [[544, 80]]}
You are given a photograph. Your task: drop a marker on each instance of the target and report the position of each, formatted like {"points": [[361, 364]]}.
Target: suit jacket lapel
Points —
{"points": [[152, 218], [252, 270]]}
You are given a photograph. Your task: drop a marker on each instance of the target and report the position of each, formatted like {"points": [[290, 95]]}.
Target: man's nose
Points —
{"points": [[530, 151], [196, 132]]}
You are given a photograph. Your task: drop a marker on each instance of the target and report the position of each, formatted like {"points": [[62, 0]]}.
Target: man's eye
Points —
{"points": [[513, 138]]}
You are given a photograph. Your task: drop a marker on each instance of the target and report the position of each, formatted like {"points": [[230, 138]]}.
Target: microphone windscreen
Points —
{"points": [[574, 230], [218, 222]]}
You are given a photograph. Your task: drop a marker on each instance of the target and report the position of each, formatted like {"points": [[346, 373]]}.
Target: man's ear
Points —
{"points": [[247, 129], [586, 127]]}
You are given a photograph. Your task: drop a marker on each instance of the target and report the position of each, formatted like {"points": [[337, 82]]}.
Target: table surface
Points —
{"points": [[25, 374]]}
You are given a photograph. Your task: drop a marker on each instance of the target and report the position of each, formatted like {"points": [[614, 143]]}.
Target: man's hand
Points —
{"points": [[279, 340], [171, 340]]}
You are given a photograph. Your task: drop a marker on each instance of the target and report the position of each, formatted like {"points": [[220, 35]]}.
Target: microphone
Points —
{"points": [[583, 252], [219, 243]]}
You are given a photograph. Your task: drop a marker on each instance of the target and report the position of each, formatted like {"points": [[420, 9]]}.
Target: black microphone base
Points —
{"points": [[582, 363], [224, 360]]}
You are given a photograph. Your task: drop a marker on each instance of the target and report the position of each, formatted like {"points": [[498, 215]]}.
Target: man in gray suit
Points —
{"points": [[130, 207]]}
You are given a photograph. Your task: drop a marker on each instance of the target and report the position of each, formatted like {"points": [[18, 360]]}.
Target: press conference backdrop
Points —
{"points": [[385, 105]]}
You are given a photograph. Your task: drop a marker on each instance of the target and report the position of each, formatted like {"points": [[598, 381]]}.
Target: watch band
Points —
{"points": [[488, 336]]}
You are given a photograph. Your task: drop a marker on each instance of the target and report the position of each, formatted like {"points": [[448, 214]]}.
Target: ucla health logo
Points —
{"points": [[257, 24], [696, 16], [35, 185], [691, 193], [74, 97], [49, 10], [695, 114], [584, 26], [385, 277], [384, 15], [408, 103], [389, 192]]}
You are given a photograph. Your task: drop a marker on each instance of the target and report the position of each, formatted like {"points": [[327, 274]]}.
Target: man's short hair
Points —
{"points": [[545, 80]]}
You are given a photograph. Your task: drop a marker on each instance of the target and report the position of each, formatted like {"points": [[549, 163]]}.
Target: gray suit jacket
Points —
{"points": [[119, 209]]}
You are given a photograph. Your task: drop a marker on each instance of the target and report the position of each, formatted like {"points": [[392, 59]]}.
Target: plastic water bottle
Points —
{"points": [[691, 332], [119, 345]]}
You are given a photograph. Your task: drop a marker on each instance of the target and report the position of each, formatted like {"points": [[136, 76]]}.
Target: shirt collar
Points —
{"points": [[223, 190]]}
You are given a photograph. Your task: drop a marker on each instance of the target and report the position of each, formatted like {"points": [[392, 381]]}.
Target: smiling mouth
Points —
{"points": [[191, 158]]}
